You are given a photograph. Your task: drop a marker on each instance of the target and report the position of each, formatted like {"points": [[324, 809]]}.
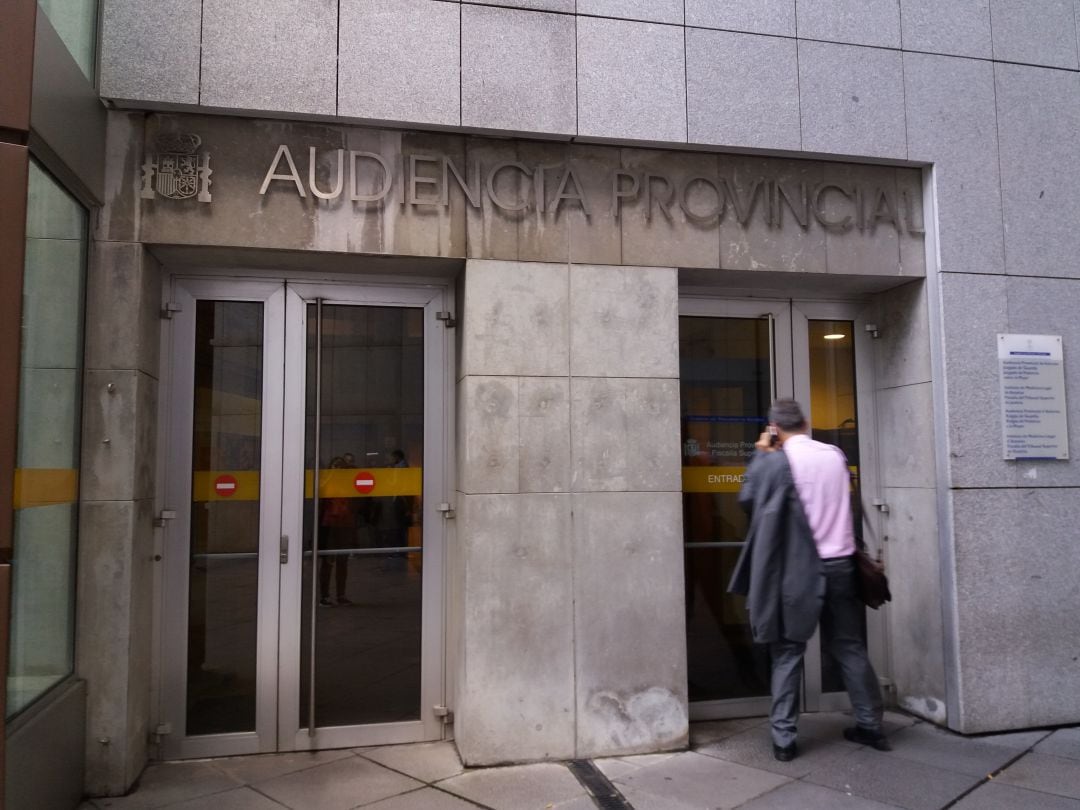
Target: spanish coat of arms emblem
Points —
{"points": [[179, 170]]}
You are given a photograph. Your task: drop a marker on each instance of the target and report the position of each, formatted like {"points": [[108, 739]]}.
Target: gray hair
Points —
{"points": [[787, 415]]}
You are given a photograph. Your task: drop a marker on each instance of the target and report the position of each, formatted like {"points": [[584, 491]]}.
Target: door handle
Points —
{"points": [[284, 549]]}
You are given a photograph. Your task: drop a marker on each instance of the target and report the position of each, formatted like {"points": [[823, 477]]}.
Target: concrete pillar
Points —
{"points": [[571, 634], [116, 534]]}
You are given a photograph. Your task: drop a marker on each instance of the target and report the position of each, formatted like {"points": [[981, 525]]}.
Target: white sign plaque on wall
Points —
{"points": [[1032, 374]]}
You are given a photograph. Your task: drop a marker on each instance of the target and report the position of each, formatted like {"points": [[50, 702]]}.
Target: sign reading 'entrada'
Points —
{"points": [[426, 180]]}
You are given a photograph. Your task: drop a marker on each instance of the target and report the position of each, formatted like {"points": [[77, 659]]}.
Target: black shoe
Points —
{"points": [[785, 754], [864, 736]]}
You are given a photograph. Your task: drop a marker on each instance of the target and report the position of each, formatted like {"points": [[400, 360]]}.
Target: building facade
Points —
{"points": [[425, 343]]}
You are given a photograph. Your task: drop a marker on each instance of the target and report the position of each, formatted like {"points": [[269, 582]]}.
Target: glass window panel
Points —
{"points": [[834, 419], [224, 562], [76, 23], [46, 488], [725, 382], [367, 653]]}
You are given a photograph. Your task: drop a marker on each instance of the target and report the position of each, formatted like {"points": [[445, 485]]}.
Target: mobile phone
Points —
{"points": [[773, 436]]}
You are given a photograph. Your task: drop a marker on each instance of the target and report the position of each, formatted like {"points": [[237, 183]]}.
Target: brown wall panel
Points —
{"points": [[14, 166], [16, 65]]}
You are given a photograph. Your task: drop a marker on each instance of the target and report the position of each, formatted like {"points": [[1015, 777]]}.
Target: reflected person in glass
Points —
{"points": [[337, 525], [797, 568]]}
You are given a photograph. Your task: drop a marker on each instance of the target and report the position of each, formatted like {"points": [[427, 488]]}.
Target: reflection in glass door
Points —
{"points": [[301, 603], [364, 443], [224, 556]]}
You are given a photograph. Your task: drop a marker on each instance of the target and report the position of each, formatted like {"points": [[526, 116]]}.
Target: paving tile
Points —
{"points": [[882, 777], [613, 767], [645, 760], [711, 731], [640, 800], [942, 749], [701, 781], [423, 799], [428, 762], [753, 748], [517, 787], [995, 796], [266, 766], [244, 798], [338, 785], [831, 725], [1045, 773], [899, 720], [578, 803], [172, 782], [801, 796], [1017, 740], [1064, 742]]}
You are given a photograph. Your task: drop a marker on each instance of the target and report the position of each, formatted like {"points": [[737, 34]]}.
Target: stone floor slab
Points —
{"points": [[339, 785], [882, 777], [996, 796], [710, 731], [647, 801], [942, 749], [803, 796], [1017, 740], [614, 767], [256, 768], [698, 780], [428, 762], [427, 798], [167, 783], [754, 749], [1065, 742], [517, 787], [831, 725], [1044, 773], [239, 799]]}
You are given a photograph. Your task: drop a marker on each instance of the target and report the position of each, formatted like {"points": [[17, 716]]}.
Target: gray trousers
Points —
{"points": [[841, 635]]}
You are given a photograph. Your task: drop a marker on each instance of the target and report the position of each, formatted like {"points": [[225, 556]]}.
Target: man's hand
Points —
{"points": [[764, 443]]}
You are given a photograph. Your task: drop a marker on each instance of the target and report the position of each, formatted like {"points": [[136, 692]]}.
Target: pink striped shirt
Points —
{"points": [[823, 483]]}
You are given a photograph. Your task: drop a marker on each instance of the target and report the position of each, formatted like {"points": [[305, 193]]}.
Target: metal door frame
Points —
{"points": [[802, 312], [779, 311], [429, 727], [792, 378], [284, 353], [179, 394]]}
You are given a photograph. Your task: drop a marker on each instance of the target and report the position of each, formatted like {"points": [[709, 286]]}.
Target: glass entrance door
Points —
{"points": [[735, 358], [302, 567]]}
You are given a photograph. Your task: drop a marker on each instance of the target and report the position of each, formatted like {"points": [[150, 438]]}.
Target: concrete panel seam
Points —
{"points": [[1001, 188]]}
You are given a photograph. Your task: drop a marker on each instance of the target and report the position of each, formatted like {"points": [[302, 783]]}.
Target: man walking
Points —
{"points": [[797, 567]]}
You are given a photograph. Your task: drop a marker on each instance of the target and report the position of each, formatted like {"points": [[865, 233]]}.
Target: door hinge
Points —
{"points": [[443, 712], [170, 309], [163, 729], [284, 557], [447, 510], [163, 517], [447, 318], [881, 506]]}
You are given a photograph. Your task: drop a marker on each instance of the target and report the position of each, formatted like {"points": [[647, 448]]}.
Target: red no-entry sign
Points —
{"points": [[225, 486], [364, 482]]}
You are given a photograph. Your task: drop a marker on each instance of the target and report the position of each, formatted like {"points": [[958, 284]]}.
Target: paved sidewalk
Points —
{"points": [[730, 765]]}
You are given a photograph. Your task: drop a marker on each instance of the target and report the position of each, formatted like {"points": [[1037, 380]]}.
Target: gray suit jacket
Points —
{"points": [[779, 570]]}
